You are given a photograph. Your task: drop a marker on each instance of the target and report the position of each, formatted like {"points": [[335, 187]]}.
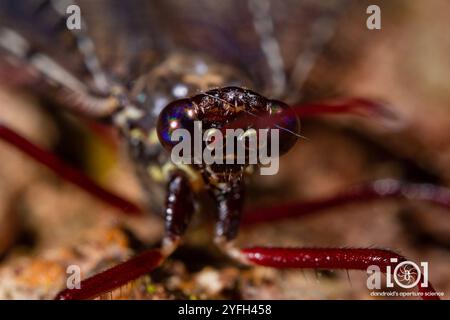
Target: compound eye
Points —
{"points": [[287, 122], [176, 115]]}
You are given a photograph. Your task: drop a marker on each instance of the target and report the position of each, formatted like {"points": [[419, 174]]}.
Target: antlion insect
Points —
{"points": [[179, 88]]}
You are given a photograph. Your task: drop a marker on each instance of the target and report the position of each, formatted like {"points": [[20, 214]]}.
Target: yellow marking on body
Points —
{"points": [[136, 134], [239, 108], [153, 137], [128, 113], [167, 169], [249, 170], [112, 102], [162, 174], [194, 176], [156, 173]]}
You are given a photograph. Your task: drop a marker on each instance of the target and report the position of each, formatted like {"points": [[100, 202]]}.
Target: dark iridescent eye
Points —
{"points": [[176, 115], [287, 122]]}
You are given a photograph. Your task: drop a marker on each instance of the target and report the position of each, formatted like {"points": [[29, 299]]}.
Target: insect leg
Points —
{"points": [[317, 258], [358, 106], [264, 27], [65, 171], [305, 258], [375, 190], [50, 76], [86, 48], [114, 277], [349, 106], [179, 209], [230, 204]]}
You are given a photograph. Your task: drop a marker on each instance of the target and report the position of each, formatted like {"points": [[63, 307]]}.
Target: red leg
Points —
{"points": [[354, 259], [179, 210], [342, 106], [359, 106], [115, 277], [358, 259], [376, 190], [67, 172]]}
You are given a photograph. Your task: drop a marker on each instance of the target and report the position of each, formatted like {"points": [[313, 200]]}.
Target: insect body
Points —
{"points": [[178, 77], [171, 92], [147, 129]]}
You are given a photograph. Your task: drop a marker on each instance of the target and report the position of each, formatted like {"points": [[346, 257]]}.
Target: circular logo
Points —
{"points": [[407, 274]]}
